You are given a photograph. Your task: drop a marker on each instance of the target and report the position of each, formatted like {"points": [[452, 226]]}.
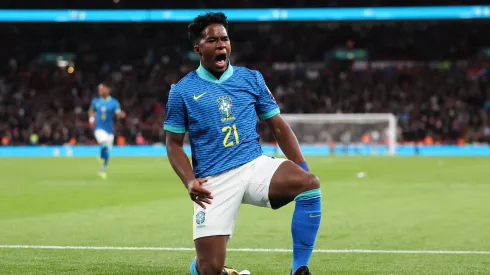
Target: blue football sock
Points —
{"points": [[305, 224], [193, 267], [104, 154]]}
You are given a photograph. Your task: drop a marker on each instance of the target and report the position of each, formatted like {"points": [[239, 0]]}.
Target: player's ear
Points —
{"points": [[197, 50]]}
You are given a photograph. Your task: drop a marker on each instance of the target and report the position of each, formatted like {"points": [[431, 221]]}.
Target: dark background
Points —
{"points": [[434, 76]]}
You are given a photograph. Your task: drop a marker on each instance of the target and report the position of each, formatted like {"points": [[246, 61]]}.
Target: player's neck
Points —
{"points": [[213, 76], [106, 97], [217, 74]]}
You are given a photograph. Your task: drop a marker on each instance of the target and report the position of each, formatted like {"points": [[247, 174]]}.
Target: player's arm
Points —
{"points": [[268, 111], [178, 158], [91, 114], [182, 167], [119, 113], [286, 139], [176, 126]]}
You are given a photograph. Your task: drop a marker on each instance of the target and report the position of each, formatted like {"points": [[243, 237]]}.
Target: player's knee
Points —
{"points": [[315, 182], [207, 267], [310, 182]]}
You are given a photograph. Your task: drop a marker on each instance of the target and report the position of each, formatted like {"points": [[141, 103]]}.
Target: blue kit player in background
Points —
{"points": [[219, 105], [101, 117]]}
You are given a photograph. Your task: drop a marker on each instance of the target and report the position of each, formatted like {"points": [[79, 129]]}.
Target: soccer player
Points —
{"points": [[101, 117], [218, 105]]}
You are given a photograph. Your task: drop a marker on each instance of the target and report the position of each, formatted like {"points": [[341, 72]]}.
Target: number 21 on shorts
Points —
{"points": [[228, 130]]}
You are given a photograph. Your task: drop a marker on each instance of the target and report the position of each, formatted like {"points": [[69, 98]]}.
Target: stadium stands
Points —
{"points": [[432, 75]]}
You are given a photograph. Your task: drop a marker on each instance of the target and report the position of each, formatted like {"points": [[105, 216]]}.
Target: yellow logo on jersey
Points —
{"points": [[199, 96], [225, 106]]}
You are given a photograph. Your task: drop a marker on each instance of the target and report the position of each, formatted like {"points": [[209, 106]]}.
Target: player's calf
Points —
{"points": [[304, 226], [290, 182], [211, 254], [104, 153]]}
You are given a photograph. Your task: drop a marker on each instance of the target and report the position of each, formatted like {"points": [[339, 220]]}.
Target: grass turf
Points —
{"points": [[403, 203]]}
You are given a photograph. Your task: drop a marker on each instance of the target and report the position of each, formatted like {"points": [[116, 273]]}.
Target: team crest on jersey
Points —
{"points": [[225, 106]]}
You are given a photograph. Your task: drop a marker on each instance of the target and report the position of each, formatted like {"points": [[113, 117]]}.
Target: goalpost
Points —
{"points": [[364, 134]]}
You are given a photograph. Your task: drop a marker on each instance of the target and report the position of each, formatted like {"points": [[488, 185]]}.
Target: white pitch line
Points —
{"points": [[272, 250]]}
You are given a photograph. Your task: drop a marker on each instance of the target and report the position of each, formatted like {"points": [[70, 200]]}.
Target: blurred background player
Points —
{"points": [[101, 117]]}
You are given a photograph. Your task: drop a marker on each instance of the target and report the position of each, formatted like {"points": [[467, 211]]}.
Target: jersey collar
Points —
{"points": [[206, 75], [107, 99]]}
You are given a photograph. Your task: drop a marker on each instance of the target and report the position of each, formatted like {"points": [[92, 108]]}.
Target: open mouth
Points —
{"points": [[220, 60]]}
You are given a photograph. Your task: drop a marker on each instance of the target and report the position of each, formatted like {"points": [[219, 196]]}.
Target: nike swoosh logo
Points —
{"points": [[314, 216], [199, 96]]}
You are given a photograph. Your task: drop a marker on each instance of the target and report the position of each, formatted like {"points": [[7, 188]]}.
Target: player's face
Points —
{"points": [[214, 48], [103, 90]]}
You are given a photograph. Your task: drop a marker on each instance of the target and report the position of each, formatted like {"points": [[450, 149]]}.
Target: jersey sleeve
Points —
{"points": [[266, 104], [176, 120]]}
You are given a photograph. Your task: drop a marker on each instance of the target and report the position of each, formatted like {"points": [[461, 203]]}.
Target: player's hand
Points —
{"points": [[92, 125], [122, 114], [199, 194]]}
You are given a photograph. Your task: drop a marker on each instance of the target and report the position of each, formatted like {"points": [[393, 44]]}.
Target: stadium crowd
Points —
{"points": [[432, 75]]}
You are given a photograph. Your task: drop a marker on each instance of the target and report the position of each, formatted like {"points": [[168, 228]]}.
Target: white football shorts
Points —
{"points": [[247, 184], [104, 138]]}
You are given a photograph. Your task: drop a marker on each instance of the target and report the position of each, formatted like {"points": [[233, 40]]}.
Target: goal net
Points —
{"points": [[344, 134]]}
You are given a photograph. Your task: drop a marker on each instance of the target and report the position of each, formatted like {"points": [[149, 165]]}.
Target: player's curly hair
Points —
{"points": [[199, 23]]}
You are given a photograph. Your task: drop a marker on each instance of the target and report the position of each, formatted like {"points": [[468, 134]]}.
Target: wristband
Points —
{"points": [[304, 165], [91, 119]]}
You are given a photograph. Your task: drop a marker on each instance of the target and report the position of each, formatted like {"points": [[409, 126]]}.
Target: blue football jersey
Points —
{"points": [[105, 109], [221, 116]]}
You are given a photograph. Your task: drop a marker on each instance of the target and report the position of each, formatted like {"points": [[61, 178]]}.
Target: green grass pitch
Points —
{"points": [[407, 205]]}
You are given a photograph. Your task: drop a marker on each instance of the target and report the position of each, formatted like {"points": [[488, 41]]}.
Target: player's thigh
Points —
{"points": [[219, 217], [110, 140], [288, 181], [214, 225], [101, 136], [258, 179]]}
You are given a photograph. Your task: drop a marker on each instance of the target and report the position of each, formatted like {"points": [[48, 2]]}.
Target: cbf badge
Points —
{"points": [[225, 106], [200, 218]]}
